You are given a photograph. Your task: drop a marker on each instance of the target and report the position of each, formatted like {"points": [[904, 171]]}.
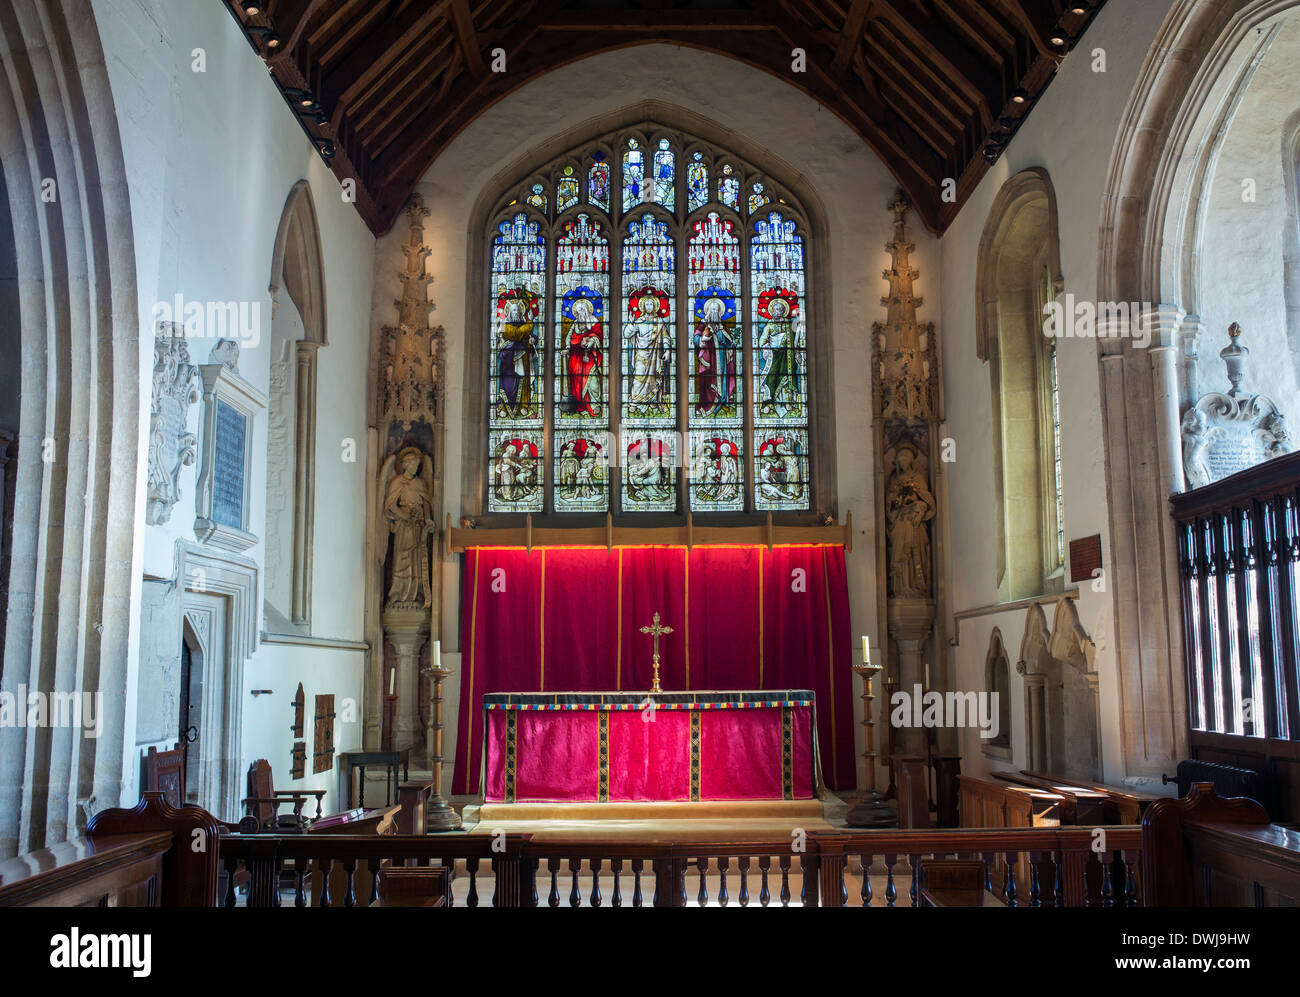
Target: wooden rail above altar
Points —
{"points": [[609, 536]]}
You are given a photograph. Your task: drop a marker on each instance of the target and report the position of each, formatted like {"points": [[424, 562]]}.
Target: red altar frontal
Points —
{"points": [[617, 747]]}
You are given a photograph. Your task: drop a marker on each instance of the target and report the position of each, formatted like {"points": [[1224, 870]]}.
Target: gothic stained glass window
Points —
{"points": [[711, 409], [697, 182], [649, 385], [598, 182], [634, 189], [518, 290], [665, 186], [566, 190], [581, 364], [779, 348]]}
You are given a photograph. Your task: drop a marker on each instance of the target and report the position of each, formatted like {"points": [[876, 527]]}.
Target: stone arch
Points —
{"points": [[997, 680], [654, 117], [1164, 146], [1018, 270], [298, 330], [73, 583]]}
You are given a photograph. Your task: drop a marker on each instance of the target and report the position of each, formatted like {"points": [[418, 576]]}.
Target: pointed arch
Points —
{"points": [[298, 330], [1018, 273]]}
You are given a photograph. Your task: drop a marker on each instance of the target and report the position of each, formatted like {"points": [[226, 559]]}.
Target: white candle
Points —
{"points": [[866, 650], [437, 654], [392, 681]]}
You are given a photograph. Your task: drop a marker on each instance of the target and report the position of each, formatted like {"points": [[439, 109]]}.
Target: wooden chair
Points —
{"points": [[262, 805], [164, 772]]}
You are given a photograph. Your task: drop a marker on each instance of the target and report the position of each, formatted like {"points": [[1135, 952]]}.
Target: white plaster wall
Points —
{"points": [[855, 189], [1241, 249], [1071, 133], [210, 158]]}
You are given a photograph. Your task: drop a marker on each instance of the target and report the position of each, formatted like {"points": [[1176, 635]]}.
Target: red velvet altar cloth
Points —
{"points": [[611, 748], [569, 619]]}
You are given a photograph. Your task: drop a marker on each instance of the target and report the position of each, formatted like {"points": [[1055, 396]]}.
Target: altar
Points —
{"points": [[614, 747]]}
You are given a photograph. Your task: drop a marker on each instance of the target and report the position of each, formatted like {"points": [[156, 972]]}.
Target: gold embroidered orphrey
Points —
{"points": [[655, 630]]}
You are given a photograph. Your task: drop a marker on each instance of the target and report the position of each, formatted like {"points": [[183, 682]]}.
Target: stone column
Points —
{"points": [[408, 630], [1034, 688], [910, 621], [304, 483]]}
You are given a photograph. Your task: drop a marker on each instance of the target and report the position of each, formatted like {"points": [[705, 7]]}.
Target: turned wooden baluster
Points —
{"points": [[637, 865], [350, 892], [232, 866], [1130, 878], [1107, 886], [989, 859], [553, 898], [471, 866], [1009, 884], [702, 898], [301, 867], [743, 862], [891, 891], [785, 880], [722, 877], [1060, 879], [764, 894], [326, 869], [1035, 888], [914, 893], [866, 879], [616, 867], [374, 881], [575, 895], [596, 866]]}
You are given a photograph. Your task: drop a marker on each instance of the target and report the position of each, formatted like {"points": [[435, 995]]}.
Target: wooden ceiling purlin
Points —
{"points": [[927, 84]]}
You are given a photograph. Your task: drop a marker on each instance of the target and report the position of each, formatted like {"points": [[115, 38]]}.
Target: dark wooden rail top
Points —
{"points": [[81, 872]]}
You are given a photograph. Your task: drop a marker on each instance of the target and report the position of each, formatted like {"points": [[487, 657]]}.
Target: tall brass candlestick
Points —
{"points": [[438, 814], [870, 810]]}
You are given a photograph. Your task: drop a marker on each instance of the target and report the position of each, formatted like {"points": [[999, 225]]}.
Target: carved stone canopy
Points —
{"points": [[411, 367], [1226, 433]]}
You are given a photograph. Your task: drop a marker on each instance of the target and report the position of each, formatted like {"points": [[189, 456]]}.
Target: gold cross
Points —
{"points": [[655, 630]]}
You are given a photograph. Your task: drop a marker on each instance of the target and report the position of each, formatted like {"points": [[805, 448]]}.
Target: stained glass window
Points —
{"points": [[598, 181], [581, 364], [697, 182], [711, 408], [729, 187], [634, 185], [537, 197], [566, 190], [779, 347], [518, 290], [665, 185], [649, 384]]}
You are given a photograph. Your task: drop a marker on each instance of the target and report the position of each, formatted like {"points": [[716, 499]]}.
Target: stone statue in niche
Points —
{"points": [[176, 386], [909, 507], [1226, 433], [407, 480]]}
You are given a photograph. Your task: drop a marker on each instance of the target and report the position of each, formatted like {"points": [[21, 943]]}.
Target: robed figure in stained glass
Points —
{"points": [[776, 340], [585, 336], [650, 345], [516, 358], [715, 359]]}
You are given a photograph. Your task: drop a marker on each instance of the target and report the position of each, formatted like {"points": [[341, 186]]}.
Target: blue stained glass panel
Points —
{"points": [[634, 186], [598, 185], [649, 380], [518, 289], [665, 177], [716, 355], [697, 183], [778, 323]]}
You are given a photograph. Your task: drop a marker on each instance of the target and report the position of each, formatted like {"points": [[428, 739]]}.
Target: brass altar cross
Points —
{"points": [[655, 630]]}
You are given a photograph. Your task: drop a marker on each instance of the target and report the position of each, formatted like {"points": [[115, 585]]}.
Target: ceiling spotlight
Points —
{"points": [[252, 9], [1020, 96], [1057, 40], [268, 36], [1078, 8]]}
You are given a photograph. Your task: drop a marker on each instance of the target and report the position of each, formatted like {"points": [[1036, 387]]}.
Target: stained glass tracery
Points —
{"points": [[563, 435]]}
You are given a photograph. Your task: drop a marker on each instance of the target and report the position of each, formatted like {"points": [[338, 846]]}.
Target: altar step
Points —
{"points": [[720, 810]]}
